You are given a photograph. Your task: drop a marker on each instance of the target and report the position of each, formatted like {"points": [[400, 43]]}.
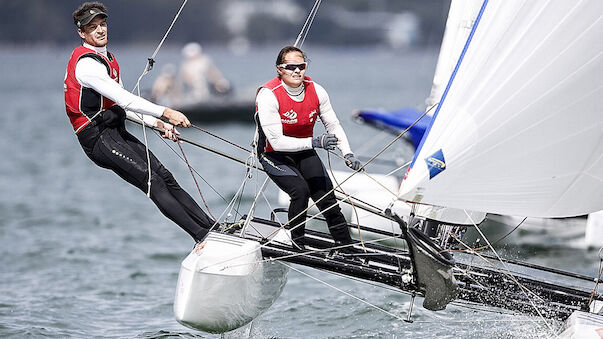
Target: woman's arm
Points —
{"points": [[329, 119]]}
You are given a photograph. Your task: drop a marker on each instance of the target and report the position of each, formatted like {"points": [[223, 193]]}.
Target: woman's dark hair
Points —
{"points": [[288, 49]]}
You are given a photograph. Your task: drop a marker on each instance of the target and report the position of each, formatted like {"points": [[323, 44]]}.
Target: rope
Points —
{"points": [[348, 198], [151, 60], [458, 303], [594, 292], [190, 168], [220, 138], [306, 27], [494, 243], [147, 69], [344, 292], [397, 169], [525, 289]]}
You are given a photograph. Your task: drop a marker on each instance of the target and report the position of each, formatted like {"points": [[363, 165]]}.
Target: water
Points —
{"points": [[85, 255]]}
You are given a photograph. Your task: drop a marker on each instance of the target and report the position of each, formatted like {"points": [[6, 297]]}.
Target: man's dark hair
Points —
{"points": [[85, 7], [287, 49]]}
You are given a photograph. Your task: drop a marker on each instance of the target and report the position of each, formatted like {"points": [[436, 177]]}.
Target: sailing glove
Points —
{"points": [[326, 141], [352, 162]]}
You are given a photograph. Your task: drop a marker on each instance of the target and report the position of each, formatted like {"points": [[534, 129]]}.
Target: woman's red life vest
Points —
{"points": [[83, 103], [297, 118]]}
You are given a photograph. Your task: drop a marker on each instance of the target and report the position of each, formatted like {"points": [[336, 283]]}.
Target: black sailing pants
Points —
{"points": [[302, 176], [115, 149]]}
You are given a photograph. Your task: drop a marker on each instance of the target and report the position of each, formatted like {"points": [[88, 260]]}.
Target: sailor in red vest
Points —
{"points": [[286, 110], [96, 105]]}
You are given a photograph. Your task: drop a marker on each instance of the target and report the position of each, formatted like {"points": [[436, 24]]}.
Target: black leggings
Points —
{"points": [[116, 149], [302, 176]]}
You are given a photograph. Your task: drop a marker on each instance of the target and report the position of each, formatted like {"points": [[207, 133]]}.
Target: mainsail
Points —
{"points": [[460, 21], [519, 129]]}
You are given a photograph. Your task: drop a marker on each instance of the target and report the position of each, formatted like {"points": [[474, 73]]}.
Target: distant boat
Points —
{"points": [[220, 109]]}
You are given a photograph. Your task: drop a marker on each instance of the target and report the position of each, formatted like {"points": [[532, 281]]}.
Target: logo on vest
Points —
{"points": [[291, 117]]}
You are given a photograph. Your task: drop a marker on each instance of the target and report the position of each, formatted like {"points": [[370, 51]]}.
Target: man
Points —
{"points": [[96, 101], [197, 71]]}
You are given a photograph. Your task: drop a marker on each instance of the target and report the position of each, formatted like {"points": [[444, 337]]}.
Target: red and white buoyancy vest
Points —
{"points": [[83, 103], [297, 118]]}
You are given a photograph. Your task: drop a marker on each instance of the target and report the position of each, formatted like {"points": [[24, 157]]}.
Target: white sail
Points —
{"points": [[519, 130], [461, 17]]}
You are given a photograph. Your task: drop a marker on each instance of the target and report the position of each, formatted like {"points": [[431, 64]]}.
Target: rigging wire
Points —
{"points": [[344, 292], [151, 60], [458, 303], [347, 197], [598, 280], [466, 305], [494, 243], [509, 271], [363, 172], [510, 276], [306, 27], [399, 168], [220, 138], [147, 69], [190, 168], [182, 159]]}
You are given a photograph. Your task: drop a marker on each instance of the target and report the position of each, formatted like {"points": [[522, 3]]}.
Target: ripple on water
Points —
{"points": [[169, 334], [169, 257]]}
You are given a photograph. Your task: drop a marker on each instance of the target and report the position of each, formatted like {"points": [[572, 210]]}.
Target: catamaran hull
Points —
{"points": [[224, 284], [583, 325]]}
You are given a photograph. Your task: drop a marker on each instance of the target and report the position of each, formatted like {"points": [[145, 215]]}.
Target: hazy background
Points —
{"points": [[393, 23]]}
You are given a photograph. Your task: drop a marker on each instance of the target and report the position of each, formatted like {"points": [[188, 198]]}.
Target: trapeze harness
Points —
{"points": [[100, 128], [300, 174]]}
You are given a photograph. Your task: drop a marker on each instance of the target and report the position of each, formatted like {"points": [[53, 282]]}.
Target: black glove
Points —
{"points": [[326, 141], [352, 162]]}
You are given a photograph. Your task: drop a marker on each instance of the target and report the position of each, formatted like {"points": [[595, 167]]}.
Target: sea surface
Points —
{"points": [[83, 254]]}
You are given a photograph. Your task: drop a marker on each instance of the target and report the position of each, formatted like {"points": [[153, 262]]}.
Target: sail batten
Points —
{"points": [[521, 124]]}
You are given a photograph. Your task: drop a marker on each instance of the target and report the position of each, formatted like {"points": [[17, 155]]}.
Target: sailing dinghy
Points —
{"points": [[517, 131]]}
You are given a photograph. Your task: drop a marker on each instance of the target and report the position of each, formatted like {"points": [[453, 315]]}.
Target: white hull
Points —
{"points": [[583, 325], [594, 230], [224, 284]]}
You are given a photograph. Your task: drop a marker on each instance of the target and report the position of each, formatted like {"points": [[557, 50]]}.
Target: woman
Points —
{"points": [[286, 109]]}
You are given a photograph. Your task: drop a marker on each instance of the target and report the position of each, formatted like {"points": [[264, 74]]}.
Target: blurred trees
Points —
{"points": [[207, 21]]}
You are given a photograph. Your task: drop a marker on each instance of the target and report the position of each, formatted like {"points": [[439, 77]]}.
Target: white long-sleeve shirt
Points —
{"points": [[270, 120], [92, 74]]}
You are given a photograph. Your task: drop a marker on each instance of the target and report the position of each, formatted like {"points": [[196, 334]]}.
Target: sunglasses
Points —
{"points": [[293, 67]]}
